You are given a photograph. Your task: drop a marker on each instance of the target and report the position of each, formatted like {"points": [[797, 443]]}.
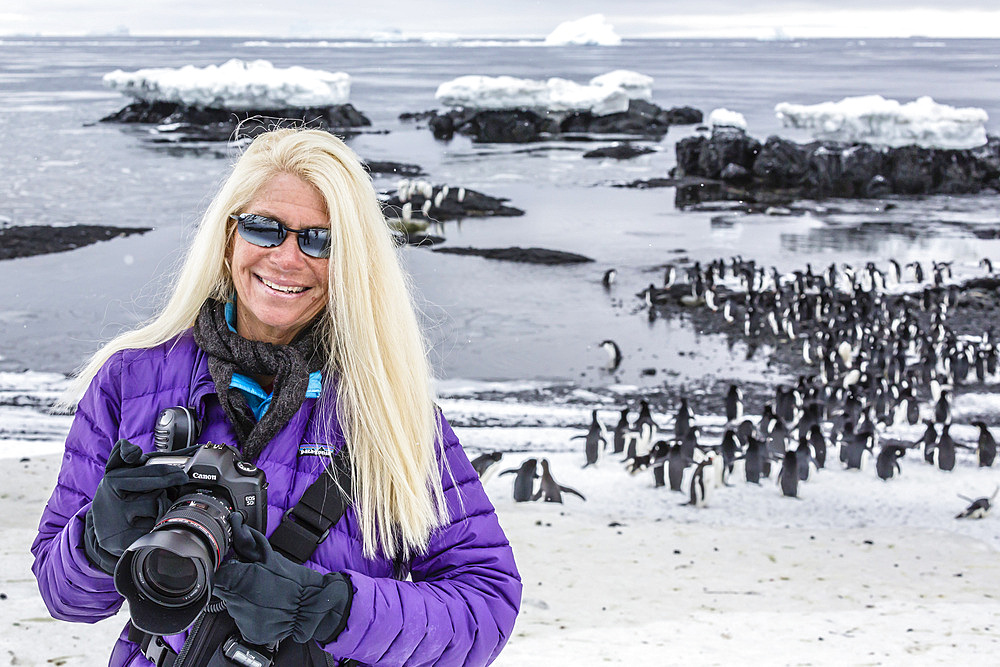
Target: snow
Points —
{"points": [[872, 119], [605, 94], [235, 84], [726, 118], [591, 30]]}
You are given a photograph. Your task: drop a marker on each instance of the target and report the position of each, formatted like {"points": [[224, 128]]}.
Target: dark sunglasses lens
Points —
{"points": [[261, 231], [315, 242]]}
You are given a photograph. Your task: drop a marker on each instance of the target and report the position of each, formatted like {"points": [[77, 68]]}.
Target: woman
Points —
{"points": [[290, 349]]}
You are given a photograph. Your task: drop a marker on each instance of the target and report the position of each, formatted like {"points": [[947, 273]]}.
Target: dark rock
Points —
{"points": [[398, 168], [684, 116], [418, 115], [191, 123], [525, 125], [619, 151], [529, 255], [30, 240], [784, 170], [418, 239], [473, 205]]}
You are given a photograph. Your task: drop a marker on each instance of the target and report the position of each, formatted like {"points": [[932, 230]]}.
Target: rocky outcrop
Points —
{"points": [[29, 240], [423, 201], [529, 255], [642, 119], [179, 122], [623, 151], [742, 167]]}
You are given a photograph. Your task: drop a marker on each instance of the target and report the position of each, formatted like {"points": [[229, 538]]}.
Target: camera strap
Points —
{"points": [[304, 527]]}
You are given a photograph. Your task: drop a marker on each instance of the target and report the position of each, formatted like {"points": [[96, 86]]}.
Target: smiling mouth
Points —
{"points": [[281, 288]]}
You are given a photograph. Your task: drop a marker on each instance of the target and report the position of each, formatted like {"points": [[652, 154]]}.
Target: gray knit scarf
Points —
{"points": [[229, 353]]}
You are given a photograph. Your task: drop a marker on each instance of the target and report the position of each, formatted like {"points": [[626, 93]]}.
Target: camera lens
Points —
{"points": [[168, 574]]}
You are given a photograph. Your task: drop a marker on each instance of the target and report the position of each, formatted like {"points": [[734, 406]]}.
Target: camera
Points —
{"points": [[166, 575]]}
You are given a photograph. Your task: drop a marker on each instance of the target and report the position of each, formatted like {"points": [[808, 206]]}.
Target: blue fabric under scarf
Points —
{"points": [[259, 400]]}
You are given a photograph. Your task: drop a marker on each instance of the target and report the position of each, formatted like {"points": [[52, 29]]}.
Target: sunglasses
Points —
{"points": [[266, 232]]}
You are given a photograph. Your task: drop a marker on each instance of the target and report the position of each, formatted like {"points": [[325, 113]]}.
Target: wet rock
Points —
{"points": [[619, 151], [30, 240], [180, 122], [526, 125], [447, 203], [528, 255], [397, 168], [783, 169]]}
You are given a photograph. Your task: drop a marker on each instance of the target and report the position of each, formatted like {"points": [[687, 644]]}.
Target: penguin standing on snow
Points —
{"points": [[730, 449], [621, 429], [676, 463], [986, 449], [818, 444], [700, 488], [609, 278], [754, 462], [944, 450], [928, 440], [594, 439], [550, 490], [524, 481], [788, 476], [887, 461], [804, 458], [734, 404]]}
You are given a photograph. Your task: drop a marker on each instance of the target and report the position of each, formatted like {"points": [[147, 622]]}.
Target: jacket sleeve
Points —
{"points": [[460, 606], [72, 588]]}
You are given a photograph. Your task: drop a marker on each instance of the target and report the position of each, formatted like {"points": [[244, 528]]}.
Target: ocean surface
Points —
{"points": [[488, 320]]}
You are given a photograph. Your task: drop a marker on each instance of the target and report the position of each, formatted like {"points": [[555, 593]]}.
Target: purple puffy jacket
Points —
{"points": [[458, 609]]}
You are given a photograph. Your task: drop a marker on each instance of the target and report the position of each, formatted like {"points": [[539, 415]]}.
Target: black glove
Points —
{"points": [[271, 598], [129, 500]]}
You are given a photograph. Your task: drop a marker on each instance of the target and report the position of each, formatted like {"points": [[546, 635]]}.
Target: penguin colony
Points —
{"points": [[877, 356]]}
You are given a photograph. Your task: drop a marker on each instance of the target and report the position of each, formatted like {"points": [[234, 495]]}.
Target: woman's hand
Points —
{"points": [[271, 598], [127, 504]]}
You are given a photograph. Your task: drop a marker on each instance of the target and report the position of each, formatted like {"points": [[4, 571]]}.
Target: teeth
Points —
{"points": [[286, 290]]}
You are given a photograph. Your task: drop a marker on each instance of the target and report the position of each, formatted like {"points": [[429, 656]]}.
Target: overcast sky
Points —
{"points": [[528, 18]]}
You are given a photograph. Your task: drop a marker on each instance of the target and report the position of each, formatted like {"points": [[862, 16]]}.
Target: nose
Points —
{"points": [[287, 254]]}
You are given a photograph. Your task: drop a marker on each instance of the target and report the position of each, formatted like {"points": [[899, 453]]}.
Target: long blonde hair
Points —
{"points": [[376, 349]]}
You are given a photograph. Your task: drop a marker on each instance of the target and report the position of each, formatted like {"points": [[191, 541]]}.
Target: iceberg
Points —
{"points": [[589, 31], [872, 119], [234, 85], [726, 118], [605, 94]]}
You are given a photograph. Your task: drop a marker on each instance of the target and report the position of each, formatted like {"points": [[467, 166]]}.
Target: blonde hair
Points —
{"points": [[376, 349]]}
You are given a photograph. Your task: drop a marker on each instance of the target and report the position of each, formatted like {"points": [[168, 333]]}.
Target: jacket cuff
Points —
{"points": [[357, 618], [342, 582]]}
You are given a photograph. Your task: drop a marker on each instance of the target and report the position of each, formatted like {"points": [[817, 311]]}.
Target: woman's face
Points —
{"points": [[280, 290]]}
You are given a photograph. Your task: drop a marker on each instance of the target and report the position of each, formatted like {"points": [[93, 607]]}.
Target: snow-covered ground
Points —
{"points": [[872, 119], [854, 571], [235, 84], [605, 94]]}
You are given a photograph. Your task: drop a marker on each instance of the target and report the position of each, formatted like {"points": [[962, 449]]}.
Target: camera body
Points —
{"points": [[167, 574]]}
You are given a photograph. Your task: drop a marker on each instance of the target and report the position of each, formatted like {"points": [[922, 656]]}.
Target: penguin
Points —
{"points": [[987, 264], [669, 276], [621, 429], [818, 444], [777, 437], [682, 421], [609, 278], [944, 450], [804, 457], [942, 409], [524, 482], [734, 404], [887, 461], [754, 460], [730, 449], [689, 443], [788, 475], [676, 463], [700, 488], [614, 355], [594, 439], [744, 431], [657, 460], [644, 423], [928, 440], [986, 448], [977, 508], [485, 465], [858, 450], [550, 490]]}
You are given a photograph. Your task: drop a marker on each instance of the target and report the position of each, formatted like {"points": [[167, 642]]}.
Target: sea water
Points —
{"points": [[488, 320]]}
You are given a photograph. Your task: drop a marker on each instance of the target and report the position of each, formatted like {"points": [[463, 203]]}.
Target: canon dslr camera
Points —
{"points": [[167, 575]]}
